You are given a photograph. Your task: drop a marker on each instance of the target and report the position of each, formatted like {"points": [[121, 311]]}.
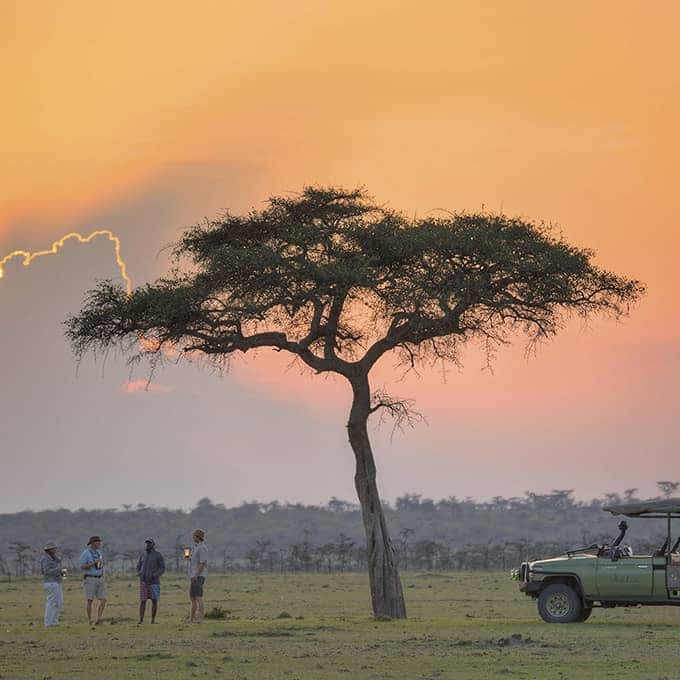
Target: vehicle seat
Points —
{"points": [[662, 550]]}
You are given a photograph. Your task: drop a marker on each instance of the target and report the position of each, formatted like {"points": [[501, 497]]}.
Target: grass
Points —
{"points": [[460, 625]]}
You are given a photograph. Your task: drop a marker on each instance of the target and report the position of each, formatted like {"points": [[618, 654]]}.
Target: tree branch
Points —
{"points": [[400, 411]]}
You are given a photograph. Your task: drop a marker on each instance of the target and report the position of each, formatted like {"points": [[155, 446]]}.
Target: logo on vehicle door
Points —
{"points": [[620, 578]]}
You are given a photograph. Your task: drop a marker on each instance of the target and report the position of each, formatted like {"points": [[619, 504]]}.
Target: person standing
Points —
{"points": [[150, 567], [92, 564], [52, 572], [198, 570]]}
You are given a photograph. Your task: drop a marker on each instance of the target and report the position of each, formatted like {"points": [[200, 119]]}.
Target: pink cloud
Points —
{"points": [[132, 386]]}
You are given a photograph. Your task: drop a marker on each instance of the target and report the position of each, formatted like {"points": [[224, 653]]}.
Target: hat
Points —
{"points": [[50, 545], [93, 539], [198, 533], [150, 540]]}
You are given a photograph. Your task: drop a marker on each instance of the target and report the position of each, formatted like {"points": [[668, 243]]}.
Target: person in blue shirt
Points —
{"points": [[92, 566]]}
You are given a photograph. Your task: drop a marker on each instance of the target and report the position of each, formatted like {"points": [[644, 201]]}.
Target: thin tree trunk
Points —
{"points": [[387, 596]]}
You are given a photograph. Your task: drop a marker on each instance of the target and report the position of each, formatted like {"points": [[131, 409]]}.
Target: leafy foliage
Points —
{"points": [[338, 280]]}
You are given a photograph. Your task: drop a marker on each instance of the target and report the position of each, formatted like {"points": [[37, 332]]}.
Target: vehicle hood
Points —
{"points": [[561, 562]]}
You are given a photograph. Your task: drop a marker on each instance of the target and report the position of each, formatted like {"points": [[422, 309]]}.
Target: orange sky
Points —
{"points": [[565, 112]]}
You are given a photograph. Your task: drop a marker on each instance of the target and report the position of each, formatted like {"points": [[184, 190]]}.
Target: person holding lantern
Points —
{"points": [[198, 570]]}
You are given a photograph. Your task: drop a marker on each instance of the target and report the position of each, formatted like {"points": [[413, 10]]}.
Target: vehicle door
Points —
{"points": [[626, 577], [659, 565], [673, 576]]}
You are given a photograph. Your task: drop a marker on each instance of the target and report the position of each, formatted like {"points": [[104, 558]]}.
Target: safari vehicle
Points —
{"points": [[568, 587]]}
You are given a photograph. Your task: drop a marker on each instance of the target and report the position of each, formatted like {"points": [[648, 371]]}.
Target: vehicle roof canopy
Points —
{"points": [[654, 508]]}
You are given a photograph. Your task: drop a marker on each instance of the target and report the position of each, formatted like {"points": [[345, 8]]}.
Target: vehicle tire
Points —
{"points": [[560, 603], [587, 611]]}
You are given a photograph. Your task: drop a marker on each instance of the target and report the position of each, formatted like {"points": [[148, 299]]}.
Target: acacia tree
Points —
{"points": [[339, 281], [668, 488]]}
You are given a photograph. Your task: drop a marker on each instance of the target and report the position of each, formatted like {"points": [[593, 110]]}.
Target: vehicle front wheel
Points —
{"points": [[559, 603]]}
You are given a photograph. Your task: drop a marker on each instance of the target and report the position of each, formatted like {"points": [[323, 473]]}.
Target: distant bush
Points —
{"points": [[451, 534]]}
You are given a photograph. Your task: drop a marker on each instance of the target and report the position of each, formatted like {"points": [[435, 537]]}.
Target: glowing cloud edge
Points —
{"points": [[57, 245]]}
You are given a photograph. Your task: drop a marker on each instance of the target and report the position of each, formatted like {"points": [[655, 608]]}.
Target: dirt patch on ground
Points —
{"points": [[515, 640]]}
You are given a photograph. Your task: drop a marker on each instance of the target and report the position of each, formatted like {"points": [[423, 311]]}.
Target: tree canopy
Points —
{"points": [[339, 280]]}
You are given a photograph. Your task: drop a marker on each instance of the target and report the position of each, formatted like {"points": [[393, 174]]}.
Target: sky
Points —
{"points": [[147, 117]]}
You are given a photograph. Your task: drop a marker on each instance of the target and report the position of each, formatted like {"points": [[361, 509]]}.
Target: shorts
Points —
{"points": [[149, 591], [196, 587], [95, 588]]}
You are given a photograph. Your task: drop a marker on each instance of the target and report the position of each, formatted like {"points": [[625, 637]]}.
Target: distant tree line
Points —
{"points": [[448, 534]]}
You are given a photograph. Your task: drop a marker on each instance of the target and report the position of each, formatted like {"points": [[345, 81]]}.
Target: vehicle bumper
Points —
{"points": [[531, 587]]}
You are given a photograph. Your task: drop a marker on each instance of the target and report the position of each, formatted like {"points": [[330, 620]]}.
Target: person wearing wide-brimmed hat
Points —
{"points": [[92, 565], [52, 573]]}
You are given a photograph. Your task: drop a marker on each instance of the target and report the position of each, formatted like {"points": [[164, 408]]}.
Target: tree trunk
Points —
{"points": [[387, 596]]}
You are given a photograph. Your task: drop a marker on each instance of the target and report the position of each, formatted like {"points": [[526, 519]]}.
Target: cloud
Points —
{"points": [[134, 386]]}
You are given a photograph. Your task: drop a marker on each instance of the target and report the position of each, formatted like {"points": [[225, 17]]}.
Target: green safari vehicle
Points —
{"points": [[568, 587]]}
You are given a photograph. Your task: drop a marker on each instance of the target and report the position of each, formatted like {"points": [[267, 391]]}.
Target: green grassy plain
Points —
{"points": [[318, 626]]}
